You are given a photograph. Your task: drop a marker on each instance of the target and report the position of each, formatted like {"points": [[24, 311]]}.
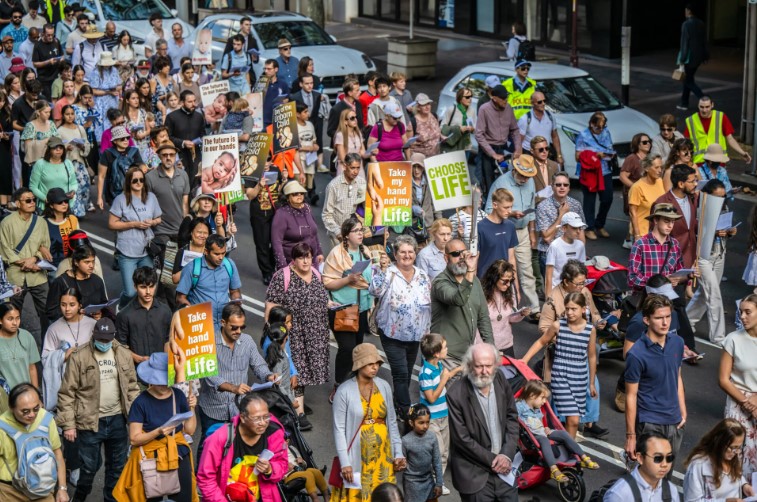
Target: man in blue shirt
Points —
{"points": [[496, 233], [239, 80], [211, 278], [287, 63], [276, 89], [655, 399], [18, 31]]}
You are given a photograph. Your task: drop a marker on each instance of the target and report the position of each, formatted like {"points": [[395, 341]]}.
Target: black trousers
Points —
{"points": [[346, 341], [261, 222], [489, 170], [494, 490]]}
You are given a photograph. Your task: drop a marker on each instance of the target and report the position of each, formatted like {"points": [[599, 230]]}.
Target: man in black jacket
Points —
{"points": [[692, 54], [483, 424], [185, 125]]}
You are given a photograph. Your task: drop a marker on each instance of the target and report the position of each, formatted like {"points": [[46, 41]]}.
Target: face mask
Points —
{"points": [[103, 346]]}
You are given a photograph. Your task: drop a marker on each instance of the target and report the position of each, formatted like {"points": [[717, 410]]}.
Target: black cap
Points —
{"points": [[499, 92], [56, 195], [105, 330]]}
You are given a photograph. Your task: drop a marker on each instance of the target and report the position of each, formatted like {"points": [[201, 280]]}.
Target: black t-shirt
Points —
{"points": [[21, 111], [42, 52], [7, 9], [242, 449]]}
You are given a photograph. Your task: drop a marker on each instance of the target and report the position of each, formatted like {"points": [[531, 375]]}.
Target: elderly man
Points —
{"points": [[539, 121], [343, 194], [287, 63], [483, 424], [495, 127], [458, 305], [519, 182], [549, 213], [178, 47]]}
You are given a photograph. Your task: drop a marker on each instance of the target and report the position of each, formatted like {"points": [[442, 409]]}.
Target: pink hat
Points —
{"points": [[17, 65]]}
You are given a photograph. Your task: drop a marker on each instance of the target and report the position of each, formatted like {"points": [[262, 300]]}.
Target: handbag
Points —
{"points": [[335, 476], [679, 74], [348, 318], [158, 483]]}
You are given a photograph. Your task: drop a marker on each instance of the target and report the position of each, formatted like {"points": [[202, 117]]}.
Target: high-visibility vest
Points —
{"points": [[520, 101], [702, 139], [49, 9]]}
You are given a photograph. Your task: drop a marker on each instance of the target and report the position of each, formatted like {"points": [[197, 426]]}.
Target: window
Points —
{"points": [[578, 95], [129, 10], [299, 33], [221, 30]]}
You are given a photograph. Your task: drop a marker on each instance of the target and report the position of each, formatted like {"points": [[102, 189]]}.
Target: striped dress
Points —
{"points": [[570, 370]]}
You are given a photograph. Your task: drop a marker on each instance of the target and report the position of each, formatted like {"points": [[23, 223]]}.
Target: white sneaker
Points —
{"points": [[323, 169], [445, 490], [627, 244]]}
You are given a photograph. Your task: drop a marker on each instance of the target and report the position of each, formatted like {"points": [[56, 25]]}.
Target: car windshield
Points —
{"points": [[130, 10], [299, 33], [578, 95]]}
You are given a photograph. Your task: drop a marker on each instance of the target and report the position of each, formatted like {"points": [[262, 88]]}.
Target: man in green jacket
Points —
{"points": [[458, 305]]}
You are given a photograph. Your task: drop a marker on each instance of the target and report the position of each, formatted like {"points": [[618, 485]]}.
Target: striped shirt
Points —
{"points": [[233, 364], [429, 379]]}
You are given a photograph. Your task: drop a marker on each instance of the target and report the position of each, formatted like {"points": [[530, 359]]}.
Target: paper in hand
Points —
{"points": [[356, 484], [372, 147], [271, 177], [46, 265], [517, 313], [410, 142], [177, 419], [261, 386], [509, 478], [264, 455], [681, 274], [91, 309], [725, 221], [311, 158], [7, 294], [545, 192], [529, 211], [359, 267]]}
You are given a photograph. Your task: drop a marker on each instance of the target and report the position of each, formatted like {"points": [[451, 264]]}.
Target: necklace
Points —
{"points": [[78, 328], [499, 309], [368, 409]]}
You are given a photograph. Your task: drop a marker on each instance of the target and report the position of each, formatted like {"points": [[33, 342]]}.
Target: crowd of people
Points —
{"points": [[85, 125]]}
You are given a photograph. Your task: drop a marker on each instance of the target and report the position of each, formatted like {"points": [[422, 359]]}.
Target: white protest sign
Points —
{"points": [[449, 180]]}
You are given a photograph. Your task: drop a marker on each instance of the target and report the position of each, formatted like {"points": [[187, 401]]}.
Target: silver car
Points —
{"points": [[572, 96], [332, 62]]}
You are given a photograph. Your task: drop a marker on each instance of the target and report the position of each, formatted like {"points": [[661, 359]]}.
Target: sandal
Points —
{"points": [[588, 463], [559, 476]]}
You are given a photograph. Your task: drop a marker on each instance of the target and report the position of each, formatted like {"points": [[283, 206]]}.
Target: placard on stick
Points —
{"points": [[194, 333], [285, 134], [210, 91], [220, 163], [389, 194], [252, 160], [449, 180]]}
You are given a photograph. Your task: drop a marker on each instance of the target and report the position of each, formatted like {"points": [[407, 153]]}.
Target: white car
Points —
{"points": [[572, 96], [332, 62]]}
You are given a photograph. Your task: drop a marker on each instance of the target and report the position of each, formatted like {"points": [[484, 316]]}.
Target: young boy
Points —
{"points": [[432, 380], [376, 109], [566, 247], [308, 150]]}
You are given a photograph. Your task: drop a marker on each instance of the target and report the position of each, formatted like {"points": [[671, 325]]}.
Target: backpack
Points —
{"points": [[530, 115], [197, 269], [599, 495], [228, 65], [117, 172], [288, 276], [37, 472], [379, 131], [526, 50]]}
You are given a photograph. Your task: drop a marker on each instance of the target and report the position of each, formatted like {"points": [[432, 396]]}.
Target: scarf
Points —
{"points": [[338, 262], [464, 113]]}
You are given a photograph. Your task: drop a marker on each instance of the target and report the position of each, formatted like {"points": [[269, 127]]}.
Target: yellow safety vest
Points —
{"points": [[49, 10], [520, 101], [702, 139]]}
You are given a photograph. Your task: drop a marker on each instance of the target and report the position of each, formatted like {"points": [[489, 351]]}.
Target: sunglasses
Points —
{"points": [[30, 200], [525, 68], [238, 327], [285, 48], [667, 129], [468, 96], [558, 185], [645, 142], [657, 459], [542, 149], [134, 181], [16, 17], [351, 118], [61, 202], [541, 101], [456, 254]]}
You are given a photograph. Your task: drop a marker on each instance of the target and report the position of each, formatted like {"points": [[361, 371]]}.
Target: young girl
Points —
{"points": [[172, 102], [308, 148], [750, 272], [423, 478], [575, 342], [77, 153], [533, 396], [298, 469]]}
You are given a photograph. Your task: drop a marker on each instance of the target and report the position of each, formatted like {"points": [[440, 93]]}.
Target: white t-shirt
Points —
{"points": [[743, 350], [560, 252]]}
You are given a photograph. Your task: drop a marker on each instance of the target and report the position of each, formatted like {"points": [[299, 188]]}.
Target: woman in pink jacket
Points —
{"points": [[254, 461]]}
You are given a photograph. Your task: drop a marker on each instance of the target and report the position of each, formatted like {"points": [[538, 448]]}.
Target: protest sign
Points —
{"points": [[709, 212], [448, 180], [261, 85], [255, 102], [193, 331], [285, 134], [220, 164], [252, 160], [203, 54], [209, 92], [389, 194]]}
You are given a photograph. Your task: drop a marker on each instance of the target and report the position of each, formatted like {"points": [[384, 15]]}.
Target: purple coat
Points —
{"points": [[290, 227]]}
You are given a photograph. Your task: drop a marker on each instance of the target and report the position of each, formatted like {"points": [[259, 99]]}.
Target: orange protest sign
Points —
{"points": [[194, 334]]}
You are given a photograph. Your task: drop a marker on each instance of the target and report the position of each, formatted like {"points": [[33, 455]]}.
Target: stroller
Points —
{"points": [[534, 471], [609, 288]]}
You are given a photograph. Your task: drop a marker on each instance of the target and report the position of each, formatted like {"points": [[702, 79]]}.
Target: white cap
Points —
{"points": [[492, 81], [393, 109], [665, 290], [572, 219]]}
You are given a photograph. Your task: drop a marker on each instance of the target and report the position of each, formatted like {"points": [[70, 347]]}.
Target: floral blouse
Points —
{"points": [[404, 308], [81, 114]]}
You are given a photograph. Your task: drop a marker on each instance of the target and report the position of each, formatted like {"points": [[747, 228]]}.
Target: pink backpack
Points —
{"points": [[288, 276]]}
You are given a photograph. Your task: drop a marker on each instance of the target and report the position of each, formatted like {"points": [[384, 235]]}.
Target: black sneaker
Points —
{"points": [[595, 431], [308, 410], [305, 424]]}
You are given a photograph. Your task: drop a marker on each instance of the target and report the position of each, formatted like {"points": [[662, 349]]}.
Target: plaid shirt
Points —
{"points": [[648, 257]]}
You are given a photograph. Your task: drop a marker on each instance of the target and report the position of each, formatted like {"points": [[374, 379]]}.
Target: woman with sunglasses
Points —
{"points": [[680, 153], [643, 194], [60, 223], [133, 214], [501, 302], [596, 138], [458, 122], [663, 142], [53, 171], [631, 172], [714, 470], [348, 139]]}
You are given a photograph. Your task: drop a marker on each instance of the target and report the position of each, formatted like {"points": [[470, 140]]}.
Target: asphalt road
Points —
{"points": [[705, 401]]}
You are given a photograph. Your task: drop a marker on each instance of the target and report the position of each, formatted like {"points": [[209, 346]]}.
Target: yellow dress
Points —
{"points": [[375, 455]]}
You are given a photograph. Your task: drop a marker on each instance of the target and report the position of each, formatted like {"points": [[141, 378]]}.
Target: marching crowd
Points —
{"points": [[85, 125]]}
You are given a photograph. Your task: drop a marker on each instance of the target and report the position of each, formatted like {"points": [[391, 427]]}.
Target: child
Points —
{"points": [[215, 113], [432, 380], [750, 272], [308, 144], [298, 468], [564, 248], [172, 102], [234, 120], [282, 316], [423, 479], [533, 396]]}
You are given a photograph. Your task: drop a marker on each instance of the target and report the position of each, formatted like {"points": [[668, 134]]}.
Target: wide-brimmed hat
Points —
{"points": [[104, 330], [93, 32], [525, 166], [418, 158], [664, 210], [293, 187], [365, 354], [423, 99], [154, 371], [201, 196], [715, 153], [17, 65], [106, 59], [283, 42], [119, 132], [56, 195]]}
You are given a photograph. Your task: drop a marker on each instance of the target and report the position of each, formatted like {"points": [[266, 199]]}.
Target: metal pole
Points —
{"points": [[750, 78], [754, 130], [412, 15], [574, 36], [625, 45]]}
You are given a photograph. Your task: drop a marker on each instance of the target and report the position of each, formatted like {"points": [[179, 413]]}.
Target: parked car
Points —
{"points": [[572, 96], [332, 62]]}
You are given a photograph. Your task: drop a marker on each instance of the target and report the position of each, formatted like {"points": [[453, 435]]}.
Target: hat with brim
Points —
{"points": [[499, 91], [492, 81], [283, 42], [715, 153], [201, 196], [572, 219], [17, 65], [93, 32], [119, 132], [56, 195], [293, 187], [54, 142], [154, 371], [665, 290], [423, 99], [365, 354], [522, 62], [418, 158], [106, 59], [664, 210], [392, 109], [166, 146], [143, 64], [525, 166]]}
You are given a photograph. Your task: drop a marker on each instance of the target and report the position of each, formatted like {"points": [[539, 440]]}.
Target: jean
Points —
{"points": [[596, 220], [39, 296], [206, 423], [128, 266], [689, 85], [113, 436], [401, 357]]}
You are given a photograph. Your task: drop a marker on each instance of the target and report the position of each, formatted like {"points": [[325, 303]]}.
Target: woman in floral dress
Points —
{"points": [[83, 108], [160, 86], [77, 153], [106, 84], [136, 122]]}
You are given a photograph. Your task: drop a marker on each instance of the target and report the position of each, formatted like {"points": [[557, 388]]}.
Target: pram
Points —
{"points": [[534, 471], [609, 288]]}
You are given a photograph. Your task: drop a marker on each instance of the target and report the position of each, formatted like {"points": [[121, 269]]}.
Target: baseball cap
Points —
{"points": [[393, 110], [499, 91], [105, 330], [492, 81], [572, 219]]}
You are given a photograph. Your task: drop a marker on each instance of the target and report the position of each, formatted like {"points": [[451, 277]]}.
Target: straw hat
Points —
{"points": [[93, 32], [715, 153], [365, 354], [525, 166]]}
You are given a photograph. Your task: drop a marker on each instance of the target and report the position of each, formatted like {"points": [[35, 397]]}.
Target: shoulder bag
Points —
{"points": [[158, 483], [335, 476]]}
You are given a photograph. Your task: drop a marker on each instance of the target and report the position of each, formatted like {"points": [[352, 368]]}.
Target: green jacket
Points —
{"points": [[458, 311]]}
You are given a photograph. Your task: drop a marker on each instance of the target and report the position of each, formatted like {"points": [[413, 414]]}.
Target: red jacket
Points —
{"points": [[213, 474], [591, 171]]}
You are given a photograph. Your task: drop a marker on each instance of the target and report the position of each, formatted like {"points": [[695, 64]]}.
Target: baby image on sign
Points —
{"points": [[202, 54], [220, 163]]}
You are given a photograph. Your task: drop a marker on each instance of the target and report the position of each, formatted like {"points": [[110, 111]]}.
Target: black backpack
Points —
{"points": [[599, 495], [526, 50]]}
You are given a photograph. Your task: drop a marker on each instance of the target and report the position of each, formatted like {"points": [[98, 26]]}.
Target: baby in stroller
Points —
{"points": [[533, 396]]}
